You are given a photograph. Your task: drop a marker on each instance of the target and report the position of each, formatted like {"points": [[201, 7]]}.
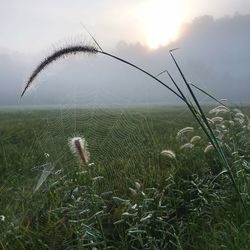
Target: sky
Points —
{"points": [[32, 25], [213, 37]]}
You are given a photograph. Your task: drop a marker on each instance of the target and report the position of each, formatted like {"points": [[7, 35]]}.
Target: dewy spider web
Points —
{"points": [[118, 137], [120, 133], [125, 139]]}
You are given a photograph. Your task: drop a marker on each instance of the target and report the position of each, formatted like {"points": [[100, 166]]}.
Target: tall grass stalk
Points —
{"points": [[211, 136], [193, 104]]}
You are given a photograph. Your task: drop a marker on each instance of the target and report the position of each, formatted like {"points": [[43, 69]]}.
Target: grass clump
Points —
{"points": [[163, 203]]}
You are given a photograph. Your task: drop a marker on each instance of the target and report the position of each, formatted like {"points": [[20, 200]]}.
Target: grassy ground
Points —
{"points": [[131, 197]]}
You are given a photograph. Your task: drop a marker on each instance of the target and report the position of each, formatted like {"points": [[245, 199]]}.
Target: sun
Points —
{"points": [[160, 22]]}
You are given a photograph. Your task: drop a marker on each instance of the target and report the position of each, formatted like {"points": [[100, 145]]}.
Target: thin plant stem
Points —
{"points": [[212, 137], [142, 70]]}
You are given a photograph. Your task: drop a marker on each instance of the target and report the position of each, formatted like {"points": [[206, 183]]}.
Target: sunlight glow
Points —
{"points": [[160, 21]]}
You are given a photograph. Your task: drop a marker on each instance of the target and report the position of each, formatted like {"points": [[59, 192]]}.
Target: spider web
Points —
{"points": [[119, 137], [120, 131], [124, 138]]}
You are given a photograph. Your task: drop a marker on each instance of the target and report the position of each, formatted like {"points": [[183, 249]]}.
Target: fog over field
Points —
{"points": [[112, 135], [214, 53]]}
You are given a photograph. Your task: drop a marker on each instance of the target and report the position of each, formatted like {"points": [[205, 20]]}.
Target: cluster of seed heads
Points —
{"points": [[219, 109], [218, 123]]}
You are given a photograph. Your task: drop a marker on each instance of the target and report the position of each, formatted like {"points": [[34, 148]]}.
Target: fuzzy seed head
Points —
{"points": [[137, 185], [78, 146], [133, 191], [195, 139], [219, 109], [61, 53], [239, 115], [184, 130], [209, 121], [237, 110], [208, 148], [217, 119], [187, 146], [239, 120], [168, 153]]}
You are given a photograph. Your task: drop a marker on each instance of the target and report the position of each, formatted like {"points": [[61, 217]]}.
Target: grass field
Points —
{"points": [[130, 196]]}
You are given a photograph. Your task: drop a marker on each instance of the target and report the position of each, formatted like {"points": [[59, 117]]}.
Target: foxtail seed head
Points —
{"points": [[71, 50], [208, 148], [219, 109], [217, 119], [168, 153], [184, 130], [187, 146], [195, 139], [78, 146]]}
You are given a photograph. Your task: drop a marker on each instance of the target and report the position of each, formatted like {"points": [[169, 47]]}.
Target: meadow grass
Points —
{"points": [[140, 191], [189, 98], [131, 197]]}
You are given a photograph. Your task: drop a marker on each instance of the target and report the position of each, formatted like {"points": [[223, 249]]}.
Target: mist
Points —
{"points": [[213, 54]]}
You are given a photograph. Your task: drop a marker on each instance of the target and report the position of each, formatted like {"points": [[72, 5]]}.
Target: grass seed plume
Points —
{"points": [[78, 146], [168, 153]]}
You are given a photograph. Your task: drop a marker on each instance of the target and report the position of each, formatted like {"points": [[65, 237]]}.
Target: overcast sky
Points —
{"points": [[33, 25], [213, 36]]}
